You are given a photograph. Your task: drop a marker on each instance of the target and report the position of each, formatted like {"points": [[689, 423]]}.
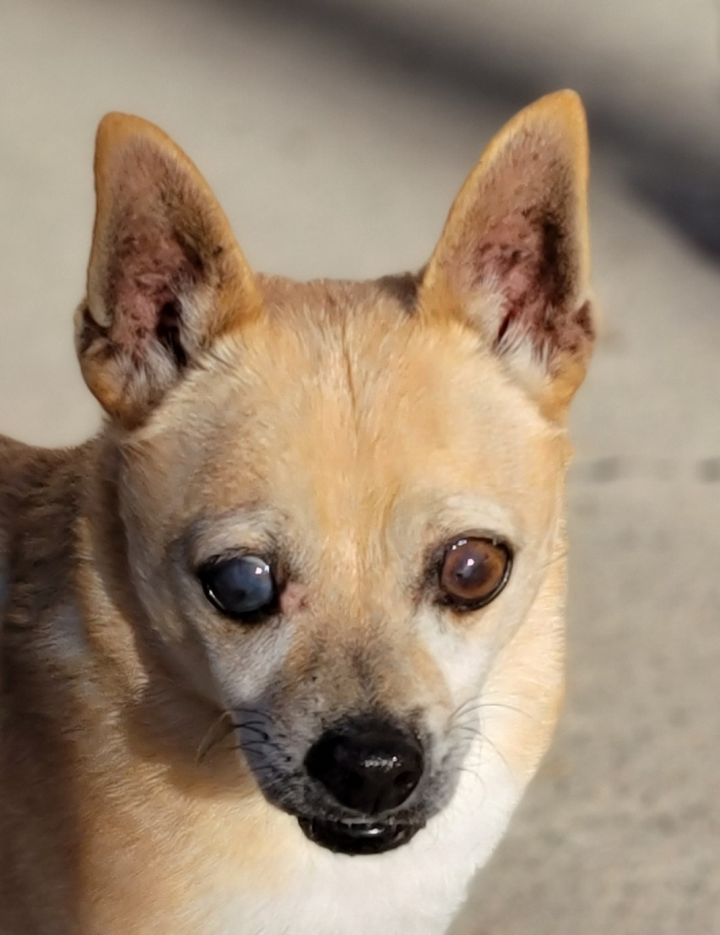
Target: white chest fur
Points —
{"points": [[414, 890]]}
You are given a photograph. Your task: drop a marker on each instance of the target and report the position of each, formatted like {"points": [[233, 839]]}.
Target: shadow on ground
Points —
{"points": [[677, 177]]}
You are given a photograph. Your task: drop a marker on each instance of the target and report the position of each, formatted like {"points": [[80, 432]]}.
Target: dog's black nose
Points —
{"points": [[369, 767]]}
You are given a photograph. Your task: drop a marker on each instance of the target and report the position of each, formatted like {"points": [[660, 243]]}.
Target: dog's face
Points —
{"points": [[342, 501]]}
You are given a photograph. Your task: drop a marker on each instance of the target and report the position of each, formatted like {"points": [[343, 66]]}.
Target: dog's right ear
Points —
{"points": [[165, 278]]}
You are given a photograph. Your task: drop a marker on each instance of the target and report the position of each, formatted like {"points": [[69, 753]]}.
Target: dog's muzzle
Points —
{"points": [[359, 837], [368, 771]]}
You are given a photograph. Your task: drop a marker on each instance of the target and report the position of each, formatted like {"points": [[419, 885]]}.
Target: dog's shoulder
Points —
{"points": [[14, 457], [39, 491], [30, 477]]}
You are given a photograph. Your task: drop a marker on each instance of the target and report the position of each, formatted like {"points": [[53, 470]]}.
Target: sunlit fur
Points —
{"points": [[352, 428]]}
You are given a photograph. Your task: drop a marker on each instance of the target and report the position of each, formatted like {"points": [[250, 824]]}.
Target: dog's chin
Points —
{"points": [[357, 838]]}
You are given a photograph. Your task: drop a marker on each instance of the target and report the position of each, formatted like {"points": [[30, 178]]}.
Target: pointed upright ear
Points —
{"points": [[165, 278], [513, 257]]}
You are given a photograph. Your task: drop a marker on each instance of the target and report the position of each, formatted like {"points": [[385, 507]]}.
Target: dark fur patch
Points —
{"points": [[169, 333], [403, 288], [89, 330]]}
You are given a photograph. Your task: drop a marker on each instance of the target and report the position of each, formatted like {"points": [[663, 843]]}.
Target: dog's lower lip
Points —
{"points": [[358, 837]]}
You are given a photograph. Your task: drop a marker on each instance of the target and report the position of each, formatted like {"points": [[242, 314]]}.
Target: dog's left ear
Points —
{"points": [[513, 257], [166, 277]]}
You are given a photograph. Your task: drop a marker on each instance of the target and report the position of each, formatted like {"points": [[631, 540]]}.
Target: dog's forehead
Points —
{"points": [[362, 358], [342, 404]]}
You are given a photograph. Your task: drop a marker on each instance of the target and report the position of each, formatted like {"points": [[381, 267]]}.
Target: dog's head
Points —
{"points": [[342, 502]]}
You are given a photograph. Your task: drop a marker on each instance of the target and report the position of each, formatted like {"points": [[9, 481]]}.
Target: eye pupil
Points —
{"points": [[465, 570], [473, 571], [241, 588]]}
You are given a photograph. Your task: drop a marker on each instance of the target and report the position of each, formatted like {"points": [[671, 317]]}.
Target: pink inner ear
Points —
{"points": [[150, 270], [517, 239], [527, 257], [149, 264]]}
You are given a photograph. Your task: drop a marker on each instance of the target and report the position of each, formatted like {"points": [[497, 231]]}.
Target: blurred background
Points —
{"points": [[336, 134]]}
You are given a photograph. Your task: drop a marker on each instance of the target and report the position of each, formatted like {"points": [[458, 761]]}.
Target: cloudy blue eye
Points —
{"points": [[242, 588]]}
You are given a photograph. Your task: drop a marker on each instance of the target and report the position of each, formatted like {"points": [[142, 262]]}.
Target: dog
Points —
{"points": [[282, 646]]}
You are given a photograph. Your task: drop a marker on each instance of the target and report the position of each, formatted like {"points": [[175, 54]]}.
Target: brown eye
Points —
{"points": [[473, 572]]}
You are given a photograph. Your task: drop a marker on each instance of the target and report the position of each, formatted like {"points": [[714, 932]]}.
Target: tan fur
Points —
{"points": [[363, 423]]}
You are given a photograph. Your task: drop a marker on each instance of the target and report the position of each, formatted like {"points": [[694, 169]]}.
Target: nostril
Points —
{"points": [[367, 767]]}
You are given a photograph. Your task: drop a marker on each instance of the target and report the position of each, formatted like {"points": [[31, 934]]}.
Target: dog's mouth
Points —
{"points": [[359, 837]]}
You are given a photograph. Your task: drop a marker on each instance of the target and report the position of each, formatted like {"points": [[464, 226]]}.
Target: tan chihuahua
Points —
{"points": [[283, 645]]}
